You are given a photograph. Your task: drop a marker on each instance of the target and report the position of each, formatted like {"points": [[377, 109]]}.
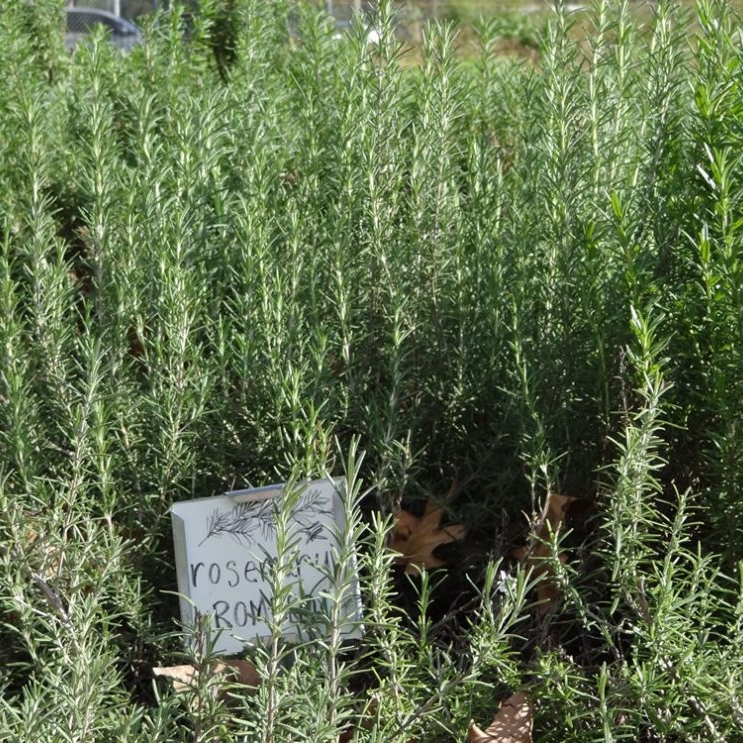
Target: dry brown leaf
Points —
{"points": [[186, 677], [416, 538], [243, 672], [512, 724], [535, 553], [183, 677]]}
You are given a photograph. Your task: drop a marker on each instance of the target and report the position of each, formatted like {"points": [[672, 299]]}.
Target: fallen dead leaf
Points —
{"points": [[242, 671], [186, 677], [512, 723], [183, 677], [416, 538], [534, 554]]}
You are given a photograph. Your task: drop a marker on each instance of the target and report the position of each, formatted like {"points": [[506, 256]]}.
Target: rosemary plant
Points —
{"points": [[251, 249]]}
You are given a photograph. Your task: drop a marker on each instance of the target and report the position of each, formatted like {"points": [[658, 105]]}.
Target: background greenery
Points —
{"points": [[239, 254]]}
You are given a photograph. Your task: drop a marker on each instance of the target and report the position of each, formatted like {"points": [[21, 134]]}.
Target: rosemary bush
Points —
{"points": [[249, 250]]}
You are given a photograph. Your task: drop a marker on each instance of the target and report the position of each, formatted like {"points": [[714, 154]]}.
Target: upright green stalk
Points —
{"points": [[633, 499]]}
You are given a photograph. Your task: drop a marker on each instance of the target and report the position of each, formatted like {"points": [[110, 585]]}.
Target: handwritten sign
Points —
{"points": [[226, 554]]}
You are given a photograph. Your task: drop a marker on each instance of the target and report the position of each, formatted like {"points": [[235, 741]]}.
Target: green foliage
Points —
{"points": [[249, 250]]}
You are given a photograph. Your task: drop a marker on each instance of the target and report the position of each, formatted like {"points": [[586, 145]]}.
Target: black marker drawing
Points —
{"points": [[243, 521], [246, 520], [312, 532]]}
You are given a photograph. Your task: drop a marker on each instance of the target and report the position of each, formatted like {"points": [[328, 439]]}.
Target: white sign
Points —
{"points": [[226, 552]]}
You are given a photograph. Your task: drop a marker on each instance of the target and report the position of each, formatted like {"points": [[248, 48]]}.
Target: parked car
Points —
{"points": [[81, 22]]}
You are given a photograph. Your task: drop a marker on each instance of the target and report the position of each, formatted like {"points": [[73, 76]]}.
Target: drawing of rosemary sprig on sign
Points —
{"points": [[309, 517], [243, 521]]}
